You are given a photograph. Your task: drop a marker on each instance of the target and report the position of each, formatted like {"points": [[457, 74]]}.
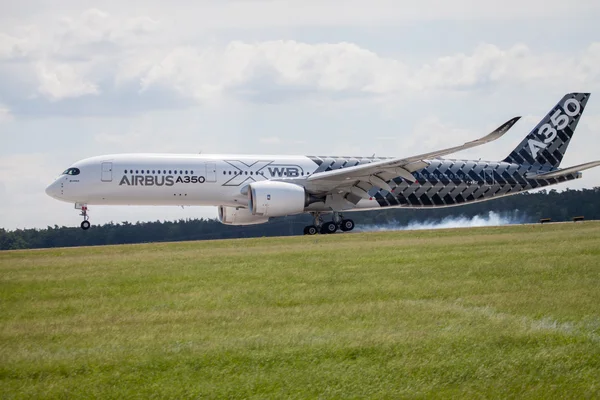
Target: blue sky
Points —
{"points": [[83, 78]]}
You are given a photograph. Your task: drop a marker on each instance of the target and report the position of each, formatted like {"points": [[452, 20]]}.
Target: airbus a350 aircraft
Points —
{"points": [[249, 189]]}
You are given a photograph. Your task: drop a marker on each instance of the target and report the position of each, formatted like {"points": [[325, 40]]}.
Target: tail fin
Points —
{"points": [[546, 144]]}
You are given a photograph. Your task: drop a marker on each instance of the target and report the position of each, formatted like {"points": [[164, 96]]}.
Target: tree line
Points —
{"points": [[522, 208]]}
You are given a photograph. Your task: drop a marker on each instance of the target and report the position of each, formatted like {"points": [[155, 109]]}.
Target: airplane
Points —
{"points": [[251, 189]]}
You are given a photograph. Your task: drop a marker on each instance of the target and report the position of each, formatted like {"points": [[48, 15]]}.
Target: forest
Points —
{"points": [[520, 208]]}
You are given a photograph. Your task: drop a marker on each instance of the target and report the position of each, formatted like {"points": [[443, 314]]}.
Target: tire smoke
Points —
{"points": [[491, 219]]}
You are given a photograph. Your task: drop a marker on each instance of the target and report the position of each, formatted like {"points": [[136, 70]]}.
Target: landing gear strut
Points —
{"points": [[85, 224], [316, 226], [319, 226]]}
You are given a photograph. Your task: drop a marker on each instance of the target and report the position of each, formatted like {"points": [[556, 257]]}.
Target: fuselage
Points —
{"points": [[219, 180]]}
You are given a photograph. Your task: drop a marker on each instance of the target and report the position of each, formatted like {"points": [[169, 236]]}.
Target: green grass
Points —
{"points": [[473, 313]]}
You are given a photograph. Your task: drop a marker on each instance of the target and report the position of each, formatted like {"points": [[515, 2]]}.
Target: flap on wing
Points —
{"points": [[564, 171]]}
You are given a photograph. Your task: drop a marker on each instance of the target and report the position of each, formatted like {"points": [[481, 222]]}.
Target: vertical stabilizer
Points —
{"points": [[547, 143]]}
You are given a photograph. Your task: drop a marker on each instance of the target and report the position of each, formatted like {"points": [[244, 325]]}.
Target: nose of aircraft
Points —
{"points": [[54, 189]]}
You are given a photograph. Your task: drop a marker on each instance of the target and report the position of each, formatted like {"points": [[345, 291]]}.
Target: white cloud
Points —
{"points": [[95, 26], [14, 47], [243, 68], [59, 81], [96, 51]]}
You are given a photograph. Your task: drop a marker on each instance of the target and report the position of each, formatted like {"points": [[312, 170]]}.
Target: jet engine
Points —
{"points": [[276, 199], [239, 216]]}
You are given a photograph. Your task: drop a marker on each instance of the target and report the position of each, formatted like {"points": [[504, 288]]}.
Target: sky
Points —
{"points": [[392, 78]]}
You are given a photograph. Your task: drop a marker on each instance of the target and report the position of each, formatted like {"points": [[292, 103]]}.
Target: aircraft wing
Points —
{"points": [[359, 179]]}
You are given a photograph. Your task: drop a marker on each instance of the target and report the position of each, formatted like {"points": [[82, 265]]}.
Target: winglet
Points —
{"points": [[497, 133]]}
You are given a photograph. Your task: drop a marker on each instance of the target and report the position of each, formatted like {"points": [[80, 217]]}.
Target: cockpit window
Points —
{"points": [[71, 171]]}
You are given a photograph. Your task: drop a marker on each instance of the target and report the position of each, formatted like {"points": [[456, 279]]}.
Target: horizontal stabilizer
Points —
{"points": [[565, 171]]}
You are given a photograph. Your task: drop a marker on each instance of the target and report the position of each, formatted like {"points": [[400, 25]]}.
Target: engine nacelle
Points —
{"points": [[239, 216], [276, 199]]}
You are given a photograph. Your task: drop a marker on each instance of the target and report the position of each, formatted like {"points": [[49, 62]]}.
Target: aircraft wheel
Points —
{"points": [[311, 230], [347, 225], [85, 225], [329, 227]]}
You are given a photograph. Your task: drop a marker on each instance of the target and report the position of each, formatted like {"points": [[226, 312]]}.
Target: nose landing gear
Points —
{"points": [[85, 224]]}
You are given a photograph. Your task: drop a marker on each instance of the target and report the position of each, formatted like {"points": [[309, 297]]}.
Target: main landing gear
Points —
{"points": [[319, 226], [85, 224]]}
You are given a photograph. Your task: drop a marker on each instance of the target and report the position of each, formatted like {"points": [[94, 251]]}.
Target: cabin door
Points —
{"points": [[106, 172]]}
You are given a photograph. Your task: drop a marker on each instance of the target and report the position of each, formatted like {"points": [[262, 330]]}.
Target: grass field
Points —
{"points": [[473, 313]]}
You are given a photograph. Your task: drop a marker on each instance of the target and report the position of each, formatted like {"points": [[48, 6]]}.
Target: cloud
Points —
{"points": [[290, 69], [211, 73], [94, 26], [244, 69], [12, 47], [60, 81], [97, 52]]}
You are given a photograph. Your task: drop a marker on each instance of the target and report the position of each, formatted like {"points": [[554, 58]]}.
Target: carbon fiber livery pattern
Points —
{"points": [[329, 163], [552, 155], [449, 182]]}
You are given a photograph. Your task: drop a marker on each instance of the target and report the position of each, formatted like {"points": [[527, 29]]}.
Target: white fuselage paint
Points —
{"points": [[178, 179]]}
